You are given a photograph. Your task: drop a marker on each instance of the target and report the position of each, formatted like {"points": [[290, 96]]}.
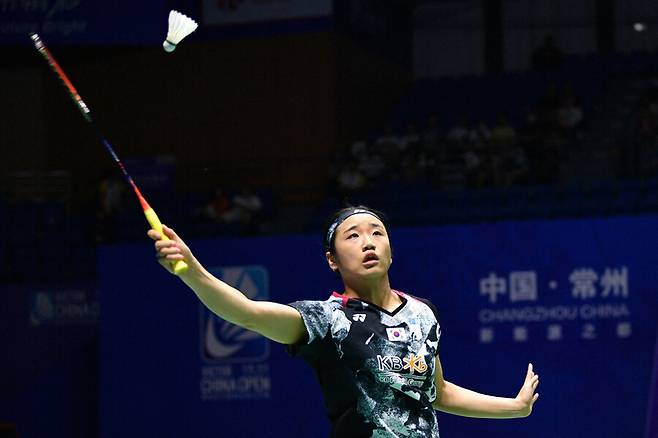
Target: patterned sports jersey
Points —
{"points": [[376, 368]]}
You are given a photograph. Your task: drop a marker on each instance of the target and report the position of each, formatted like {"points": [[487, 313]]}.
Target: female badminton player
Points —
{"points": [[373, 348]]}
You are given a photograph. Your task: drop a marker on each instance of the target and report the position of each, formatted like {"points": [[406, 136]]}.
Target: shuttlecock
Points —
{"points": [[180, 26]]}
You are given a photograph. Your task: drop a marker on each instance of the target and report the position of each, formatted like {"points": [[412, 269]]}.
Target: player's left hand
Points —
{"points": [[527, 396]]}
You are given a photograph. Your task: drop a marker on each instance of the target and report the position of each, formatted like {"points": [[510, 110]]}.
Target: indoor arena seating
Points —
{"points": [[485, 97], [417, 205], [50, 240], [590, 178]]}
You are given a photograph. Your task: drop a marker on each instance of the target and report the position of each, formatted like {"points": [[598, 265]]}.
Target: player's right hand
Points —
{"points": [[168, 252]]}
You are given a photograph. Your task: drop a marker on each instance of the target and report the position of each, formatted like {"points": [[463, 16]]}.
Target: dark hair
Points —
{"points": [[339, 216]]}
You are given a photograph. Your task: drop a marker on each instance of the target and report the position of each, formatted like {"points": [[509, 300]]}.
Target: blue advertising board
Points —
{"points": [[83, 21], [652, 408], [47, 382], [577, 298]]}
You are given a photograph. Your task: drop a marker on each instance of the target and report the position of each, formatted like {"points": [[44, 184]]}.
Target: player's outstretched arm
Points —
{"points": [[456, 400], [275, 321]]}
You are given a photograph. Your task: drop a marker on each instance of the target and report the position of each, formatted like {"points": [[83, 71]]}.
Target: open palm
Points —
{"points": [[527, 396]]}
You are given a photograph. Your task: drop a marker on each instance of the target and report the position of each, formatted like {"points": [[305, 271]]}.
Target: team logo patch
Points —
{"points": [[360, 317], [396, 334], [415, 363]]}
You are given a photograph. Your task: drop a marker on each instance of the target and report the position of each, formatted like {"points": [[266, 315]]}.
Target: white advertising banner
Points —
{"points": [[222, 12]]}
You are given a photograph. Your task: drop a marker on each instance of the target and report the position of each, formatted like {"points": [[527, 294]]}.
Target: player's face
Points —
{"points": [[362, 247]]}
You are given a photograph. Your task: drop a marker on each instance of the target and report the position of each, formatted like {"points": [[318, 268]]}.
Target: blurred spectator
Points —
{"points": [[425, 164], [466, 132], [245, 209], [474, 166], [532, 131], [358, 149], [110, 199], [569, 113], [110, 193], [460, 162], [503, 134], [546, 57], [219, 205], [459, 132], [410, 140], [350, 180], [372, 165], [479, 133], [513, 166], [388, 144]]}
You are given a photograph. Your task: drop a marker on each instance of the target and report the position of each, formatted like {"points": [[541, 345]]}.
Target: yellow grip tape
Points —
{"points": [[179, 266]]}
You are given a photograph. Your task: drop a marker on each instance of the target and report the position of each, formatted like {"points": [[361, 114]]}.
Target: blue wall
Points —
{"points": [[48, 370]]}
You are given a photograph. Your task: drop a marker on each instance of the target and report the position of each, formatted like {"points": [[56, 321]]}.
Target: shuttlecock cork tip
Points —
{"points": [[168, 46]]}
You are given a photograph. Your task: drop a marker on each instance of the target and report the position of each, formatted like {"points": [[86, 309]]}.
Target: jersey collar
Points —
{"points": [[357, 303]]}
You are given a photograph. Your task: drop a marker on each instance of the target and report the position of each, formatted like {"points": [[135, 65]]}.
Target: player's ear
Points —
{"points": [[391, 260], [331, 261]]}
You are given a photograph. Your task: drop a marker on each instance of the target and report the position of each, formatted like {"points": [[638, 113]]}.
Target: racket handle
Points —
{"points": [[179, 266]]}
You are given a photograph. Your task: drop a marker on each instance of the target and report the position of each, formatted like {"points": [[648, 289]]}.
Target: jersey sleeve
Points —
{"points": [[317, 318], [436, 336], [432, 308]]}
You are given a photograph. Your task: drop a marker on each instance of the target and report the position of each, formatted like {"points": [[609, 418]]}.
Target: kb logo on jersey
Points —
{"points": [[413, 363]]}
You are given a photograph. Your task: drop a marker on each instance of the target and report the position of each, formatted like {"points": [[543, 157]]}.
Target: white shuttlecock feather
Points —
{"points": [[180, 26]]}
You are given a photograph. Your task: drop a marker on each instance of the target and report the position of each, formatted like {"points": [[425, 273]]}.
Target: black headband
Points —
{"points": [[341, 218]]}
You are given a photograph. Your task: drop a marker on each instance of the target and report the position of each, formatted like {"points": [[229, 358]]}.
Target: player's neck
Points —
{"points": [[377, 292]]}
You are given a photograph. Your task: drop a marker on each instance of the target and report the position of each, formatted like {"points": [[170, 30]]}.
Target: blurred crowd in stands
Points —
{"points": [[243, 207], [240, 212], [469, 154], [538, 136]]}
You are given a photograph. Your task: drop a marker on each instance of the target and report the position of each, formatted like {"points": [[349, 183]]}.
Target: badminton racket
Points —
{"points": [[179, 266]]}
